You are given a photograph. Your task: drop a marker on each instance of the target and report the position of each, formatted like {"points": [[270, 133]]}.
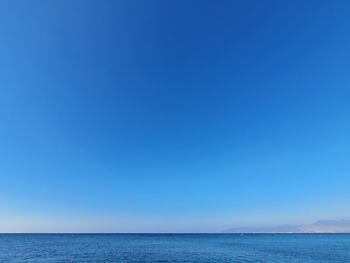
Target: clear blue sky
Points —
{"points": [[173, 115]]}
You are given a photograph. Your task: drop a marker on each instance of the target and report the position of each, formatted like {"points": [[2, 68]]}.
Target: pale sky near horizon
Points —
{"points": [[173, 116]]}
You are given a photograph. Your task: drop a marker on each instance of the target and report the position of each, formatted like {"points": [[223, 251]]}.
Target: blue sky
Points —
{"points": [[173, 115]]}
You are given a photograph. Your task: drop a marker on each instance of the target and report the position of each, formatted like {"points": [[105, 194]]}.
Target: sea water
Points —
{"points": [[174, 248]]}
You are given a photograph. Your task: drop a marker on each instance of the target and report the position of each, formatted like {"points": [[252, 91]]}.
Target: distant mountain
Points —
{"points": [[272, 229], [321, 226], [327, 226]]}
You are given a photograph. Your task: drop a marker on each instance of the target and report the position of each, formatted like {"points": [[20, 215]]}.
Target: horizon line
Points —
{"points": [[173, 233]]}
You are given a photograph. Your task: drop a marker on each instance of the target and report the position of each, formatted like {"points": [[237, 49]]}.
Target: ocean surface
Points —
{"points": [[174, 248]]}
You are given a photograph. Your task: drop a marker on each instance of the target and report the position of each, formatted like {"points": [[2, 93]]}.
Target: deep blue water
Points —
{"points": [[174, 248]]}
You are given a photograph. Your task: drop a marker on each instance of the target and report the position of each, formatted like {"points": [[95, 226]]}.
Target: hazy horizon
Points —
{"points": [[173, 116]]}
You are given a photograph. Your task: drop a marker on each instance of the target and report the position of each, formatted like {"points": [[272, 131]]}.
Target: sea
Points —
{"points": [[174, 248]]}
